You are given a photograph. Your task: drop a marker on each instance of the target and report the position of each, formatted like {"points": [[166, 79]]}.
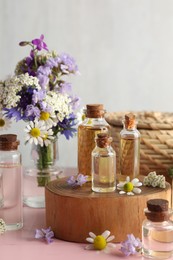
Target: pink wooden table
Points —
{"points": [[21, 244]]}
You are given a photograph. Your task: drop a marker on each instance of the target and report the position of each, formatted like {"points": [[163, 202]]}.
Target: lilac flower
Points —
{"points": [[52, 62], [65, 87], [68, 64], [77, 181], [46, 234], [66, 126], [38, 96], [131, 246], [40, 44], [32, 112]]}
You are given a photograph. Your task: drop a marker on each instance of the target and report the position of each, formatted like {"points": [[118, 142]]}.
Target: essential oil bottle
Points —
{"points": [[11, 206], [129, 147], [157, 230], [93, 124], [103, 165]]}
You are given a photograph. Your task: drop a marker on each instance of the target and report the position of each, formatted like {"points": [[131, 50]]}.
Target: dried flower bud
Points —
{"points": [[23, 43]]}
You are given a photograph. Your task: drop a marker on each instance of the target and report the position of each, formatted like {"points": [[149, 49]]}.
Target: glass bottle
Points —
{"points": [[103, 165], [11, 182], [93, 124], [157, 230], [129, 147]]}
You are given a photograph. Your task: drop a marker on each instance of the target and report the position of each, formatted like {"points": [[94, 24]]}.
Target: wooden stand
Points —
{"points": [[73, 212]]}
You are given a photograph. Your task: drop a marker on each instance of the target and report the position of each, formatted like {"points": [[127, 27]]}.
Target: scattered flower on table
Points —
{"points": [[129, 187], [46, 234], [131, 246], [100, 242], [154, 180], [5, 123], [78, 180], [2, 226]]}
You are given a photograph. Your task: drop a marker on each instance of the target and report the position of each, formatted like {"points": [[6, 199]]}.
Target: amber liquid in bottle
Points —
{"points": [[129, 156], [86, 143]]}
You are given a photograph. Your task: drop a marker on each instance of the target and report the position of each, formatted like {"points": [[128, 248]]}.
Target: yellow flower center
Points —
{"points": [[99, 242], [44, 115], [2, 122], [128, 187], [35, 132], [45, 136]]}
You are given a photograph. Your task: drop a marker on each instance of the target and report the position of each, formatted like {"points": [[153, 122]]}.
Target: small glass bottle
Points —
{"points": [[93, 124], [11, 182], [157, 230], [129, 147], [103, 165]]}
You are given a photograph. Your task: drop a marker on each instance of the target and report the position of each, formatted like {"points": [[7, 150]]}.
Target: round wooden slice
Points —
{"points": [[74, 212]]}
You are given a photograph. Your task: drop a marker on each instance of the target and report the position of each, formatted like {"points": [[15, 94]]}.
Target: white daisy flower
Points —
{"points": [[100, 242], [36, 132], [48, 118], [129, 187], [48, 137], [5, 123]]}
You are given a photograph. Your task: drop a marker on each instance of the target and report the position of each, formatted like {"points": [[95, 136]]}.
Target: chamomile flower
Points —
{"points": [[35, 132], [100, 242], [47, 117], [48, 137], [129, 187], [5, 123]]}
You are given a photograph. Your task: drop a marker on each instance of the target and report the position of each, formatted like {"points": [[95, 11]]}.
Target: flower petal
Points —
{"points": [[92, 234], [130, 193], [105, 234], [122, 192], [89, 247], [90, 239], [134, 181], [110, 238], [136, 190]]}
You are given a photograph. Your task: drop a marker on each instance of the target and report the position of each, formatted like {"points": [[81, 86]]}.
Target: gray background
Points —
{"points": [[124, 50]]}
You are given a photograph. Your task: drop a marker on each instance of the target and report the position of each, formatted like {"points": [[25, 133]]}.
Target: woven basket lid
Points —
{"points": [[145, 120]]}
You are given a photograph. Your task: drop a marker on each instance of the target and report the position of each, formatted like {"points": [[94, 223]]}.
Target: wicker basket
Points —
{"points": [[156, 148]]}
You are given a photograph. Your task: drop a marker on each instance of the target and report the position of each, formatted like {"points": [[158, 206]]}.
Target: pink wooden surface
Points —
{"points": [[21, 244]]}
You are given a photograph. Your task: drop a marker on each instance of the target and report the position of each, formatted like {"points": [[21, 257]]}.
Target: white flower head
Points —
{"points": [[35, 132], [100, 242], [2, 226], [5, 123], [129, 187]]}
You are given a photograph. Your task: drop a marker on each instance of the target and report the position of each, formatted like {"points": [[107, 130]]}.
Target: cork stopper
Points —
{"points": [[95, 110], [130, 121], [157, 210], [8, 142], [103, 140]]}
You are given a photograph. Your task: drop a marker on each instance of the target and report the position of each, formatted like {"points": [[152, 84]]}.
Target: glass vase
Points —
{"points": [[44, 170]]}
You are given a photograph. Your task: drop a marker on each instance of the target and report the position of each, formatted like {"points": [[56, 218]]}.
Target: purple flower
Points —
{"points": [[68, 64], [40, 44], [65, 87], [38, 96], [13, 112], [32, 112], [79, 181], [52, 62], [131, 246], [46, 234]]}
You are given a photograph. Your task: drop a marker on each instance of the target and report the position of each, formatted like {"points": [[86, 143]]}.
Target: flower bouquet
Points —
{"points": [[39, 94]]}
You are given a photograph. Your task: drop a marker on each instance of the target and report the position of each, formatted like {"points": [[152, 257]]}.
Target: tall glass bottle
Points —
{"points": [[11, 182], [157, 230], [103, 165], [129, 147], [93, 124]]}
